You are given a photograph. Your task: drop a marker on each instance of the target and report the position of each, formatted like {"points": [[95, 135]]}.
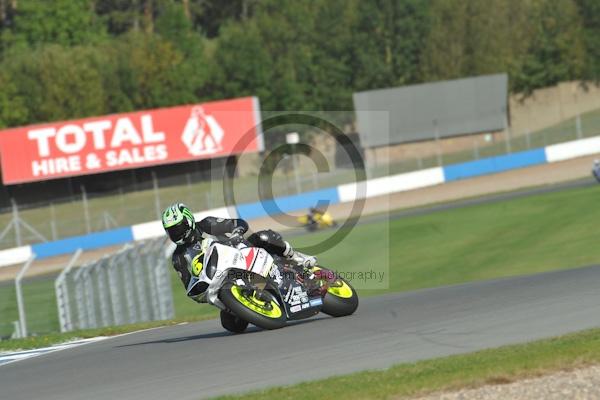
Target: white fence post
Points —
{"points": [[90, 299], [61, 289], [103, 293], [79, 298], [86, 210], [114, 287], [163, 280], [20, 303], [128, 283], [140, 279]]}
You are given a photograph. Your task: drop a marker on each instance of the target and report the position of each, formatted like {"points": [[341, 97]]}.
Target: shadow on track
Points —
{"points": [[251, 330], [202, 336]]}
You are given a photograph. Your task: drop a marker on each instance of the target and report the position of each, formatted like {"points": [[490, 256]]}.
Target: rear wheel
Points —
{"points": [[233, 323], [261, 310], [341, 299]]}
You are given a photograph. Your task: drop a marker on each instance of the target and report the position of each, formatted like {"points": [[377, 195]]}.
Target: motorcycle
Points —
{"points": [[317, 220], [251, 286]]}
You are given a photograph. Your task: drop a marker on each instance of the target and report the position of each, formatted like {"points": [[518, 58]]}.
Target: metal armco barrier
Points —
{"points": [[132, 285]]}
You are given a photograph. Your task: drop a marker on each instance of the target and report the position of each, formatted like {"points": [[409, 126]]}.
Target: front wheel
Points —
{"points": [[341, 299], [263, 311]]}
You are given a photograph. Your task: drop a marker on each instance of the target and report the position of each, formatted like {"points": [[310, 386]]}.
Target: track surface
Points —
{"points": [[201, 360]]}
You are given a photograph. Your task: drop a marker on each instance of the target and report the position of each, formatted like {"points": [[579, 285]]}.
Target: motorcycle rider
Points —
{"points": [[313, 216], [181, 227], [596, 170]]}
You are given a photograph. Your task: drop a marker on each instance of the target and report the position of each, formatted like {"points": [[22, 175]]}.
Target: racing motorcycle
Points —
{"points": [[317, 220], [251, 286]]}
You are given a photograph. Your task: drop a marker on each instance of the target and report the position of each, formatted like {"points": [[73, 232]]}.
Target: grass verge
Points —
{"points": [[494, 366], [526, 235], [35, 342]]}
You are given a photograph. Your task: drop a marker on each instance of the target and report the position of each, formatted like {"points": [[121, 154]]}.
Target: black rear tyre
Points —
{"points": [[339, 303], [232, 322]]}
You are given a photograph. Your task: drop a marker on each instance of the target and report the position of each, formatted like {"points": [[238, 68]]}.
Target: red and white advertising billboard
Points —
{"points": [[131, 140]]}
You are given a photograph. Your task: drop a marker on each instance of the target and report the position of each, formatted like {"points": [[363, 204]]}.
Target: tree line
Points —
{"points": [[65, 59]]}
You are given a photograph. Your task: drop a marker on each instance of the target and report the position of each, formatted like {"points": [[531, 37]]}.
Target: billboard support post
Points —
{"points": [[15, 212], [156, 194], [507, 134], [53, 222], [207, 199], [292, 139], [440, 161], [188, 180], [475, 149], [86, 210]]}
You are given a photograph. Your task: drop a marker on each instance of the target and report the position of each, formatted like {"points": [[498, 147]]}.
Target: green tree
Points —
{"points": [[173, 25], [13, 110], [241, 65], [538, 42], [58, 83], [556, 52], [65, 22], [209, 16], [589, 11], [473, 37], [387, 42], [122, 16], [153, 72]]}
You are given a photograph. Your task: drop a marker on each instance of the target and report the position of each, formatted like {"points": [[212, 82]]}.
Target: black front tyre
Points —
{"points": [[233, 323], [263, 311]]}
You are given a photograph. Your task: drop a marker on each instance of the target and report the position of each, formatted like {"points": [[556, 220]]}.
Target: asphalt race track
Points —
{"points": [[201, 360]]}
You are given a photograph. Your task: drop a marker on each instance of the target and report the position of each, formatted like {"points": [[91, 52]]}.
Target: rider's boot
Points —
{"points": [[302, 259]]}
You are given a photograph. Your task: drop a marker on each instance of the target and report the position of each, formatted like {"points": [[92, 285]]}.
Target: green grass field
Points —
{"points": [[494, 366], [139, 206], [522, 236]]}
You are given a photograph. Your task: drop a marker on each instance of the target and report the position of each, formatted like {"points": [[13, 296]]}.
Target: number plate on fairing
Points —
{"points": [[298, 303]]}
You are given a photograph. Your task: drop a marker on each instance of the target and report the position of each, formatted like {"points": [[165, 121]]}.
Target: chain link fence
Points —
{"points": [[130, 286]]}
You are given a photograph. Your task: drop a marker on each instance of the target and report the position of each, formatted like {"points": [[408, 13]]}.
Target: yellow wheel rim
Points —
{"points": [[255, 304], [341, 289]]}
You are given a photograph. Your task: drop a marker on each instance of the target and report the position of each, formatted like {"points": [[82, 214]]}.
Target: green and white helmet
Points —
{"points": [[178, 222]]}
